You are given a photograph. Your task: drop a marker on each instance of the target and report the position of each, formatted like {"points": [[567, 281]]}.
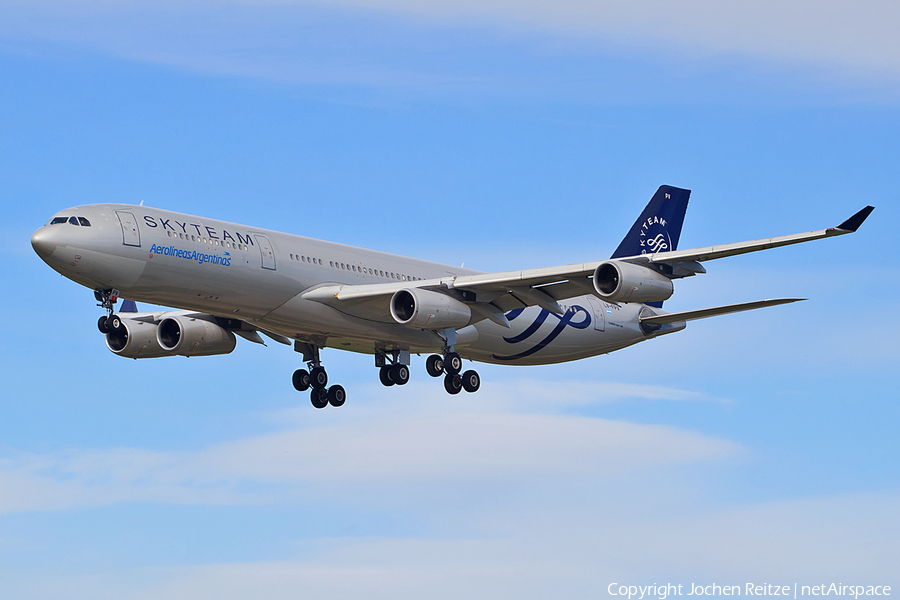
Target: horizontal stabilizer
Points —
{"points": [[691, 315]]}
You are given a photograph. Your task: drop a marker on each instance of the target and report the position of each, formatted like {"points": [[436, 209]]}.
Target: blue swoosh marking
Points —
{"points": [[566, 320]]}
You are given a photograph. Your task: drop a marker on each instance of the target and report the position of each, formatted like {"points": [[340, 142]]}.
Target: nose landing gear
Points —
{"points": [[107, 300]]}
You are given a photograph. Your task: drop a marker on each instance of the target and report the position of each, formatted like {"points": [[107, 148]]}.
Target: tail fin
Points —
{"points": [[128, 306], [659, 226]]}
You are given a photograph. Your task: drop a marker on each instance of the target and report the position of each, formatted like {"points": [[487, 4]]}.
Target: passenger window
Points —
{"points": [[73, 221], [84, 222], [58, 220]]}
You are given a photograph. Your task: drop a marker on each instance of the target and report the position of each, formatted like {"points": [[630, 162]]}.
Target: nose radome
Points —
{"points": [[43, 241]]}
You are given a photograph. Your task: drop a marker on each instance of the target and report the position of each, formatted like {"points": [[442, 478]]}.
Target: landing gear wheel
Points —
{"points": [[385, 375], [301, 380], [336, 395], [452, 363], [399, 374], [319, 398], [471, 381], [114, 323], [318, 378], [453, 384], [103, 325], [435, 365]]}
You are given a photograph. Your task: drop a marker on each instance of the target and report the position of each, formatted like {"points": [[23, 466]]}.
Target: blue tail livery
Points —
{"points": [[659, 226]]}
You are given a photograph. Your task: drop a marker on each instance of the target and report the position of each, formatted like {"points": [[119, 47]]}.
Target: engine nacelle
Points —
{"points": [[135, 339], [626, 282], [194, 337], [424, 309]]}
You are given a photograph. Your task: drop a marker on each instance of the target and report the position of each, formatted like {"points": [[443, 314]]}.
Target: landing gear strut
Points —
{"points": [[450, 364], [316, 378], [107, 300]]}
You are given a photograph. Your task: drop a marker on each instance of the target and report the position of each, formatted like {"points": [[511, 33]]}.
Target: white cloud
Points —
{"points": [[830, 30], [430, 445], [266, 38], [562, 550]]}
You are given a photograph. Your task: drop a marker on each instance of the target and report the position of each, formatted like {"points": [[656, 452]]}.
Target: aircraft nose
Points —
{"points": [[44, 242]]}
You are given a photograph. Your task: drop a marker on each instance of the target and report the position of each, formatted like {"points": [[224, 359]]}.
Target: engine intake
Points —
{"points": [[135, 339], [194, 337], [424, 309], [626, 282]]}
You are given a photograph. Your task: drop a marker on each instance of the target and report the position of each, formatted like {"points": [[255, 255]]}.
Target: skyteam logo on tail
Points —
{"points": [[654, 236]]}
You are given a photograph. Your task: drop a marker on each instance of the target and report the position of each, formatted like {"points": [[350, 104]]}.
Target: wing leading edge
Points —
{"points": [[493, 294]]}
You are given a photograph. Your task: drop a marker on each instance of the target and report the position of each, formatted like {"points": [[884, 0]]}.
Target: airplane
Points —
{"points": [[228, 280]]}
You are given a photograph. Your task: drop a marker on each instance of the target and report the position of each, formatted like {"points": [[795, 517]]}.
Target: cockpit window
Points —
{"points": [[58, 220], [84, 222], [73, 221]]}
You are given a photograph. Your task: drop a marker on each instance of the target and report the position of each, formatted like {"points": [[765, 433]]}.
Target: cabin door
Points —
{"points": [[266, 251]]}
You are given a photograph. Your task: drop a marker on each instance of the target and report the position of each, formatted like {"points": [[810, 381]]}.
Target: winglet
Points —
{"points": [[853, 223]]}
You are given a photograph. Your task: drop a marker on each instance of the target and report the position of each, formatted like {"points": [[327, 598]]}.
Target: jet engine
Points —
{"points": [[424, 309], [135, 339], [618, 281], [188, 336]]}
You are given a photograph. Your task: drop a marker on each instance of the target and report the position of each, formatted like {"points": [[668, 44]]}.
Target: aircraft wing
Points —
{"points": [[491, 295], [713, 252]]}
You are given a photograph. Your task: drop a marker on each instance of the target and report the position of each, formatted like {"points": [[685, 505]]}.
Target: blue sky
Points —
{"points": [[752, 447]]}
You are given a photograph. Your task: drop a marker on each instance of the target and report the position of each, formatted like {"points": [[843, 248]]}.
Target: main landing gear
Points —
{"points": [[110, 323], [316, 378], [393, 367], [449, 365]]}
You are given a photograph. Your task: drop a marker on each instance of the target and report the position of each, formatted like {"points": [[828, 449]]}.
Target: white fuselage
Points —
{"points": [[258, 276]]}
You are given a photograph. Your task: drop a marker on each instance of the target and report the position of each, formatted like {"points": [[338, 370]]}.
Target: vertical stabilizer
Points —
{"points": [[128, 306], [659, 226]]}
